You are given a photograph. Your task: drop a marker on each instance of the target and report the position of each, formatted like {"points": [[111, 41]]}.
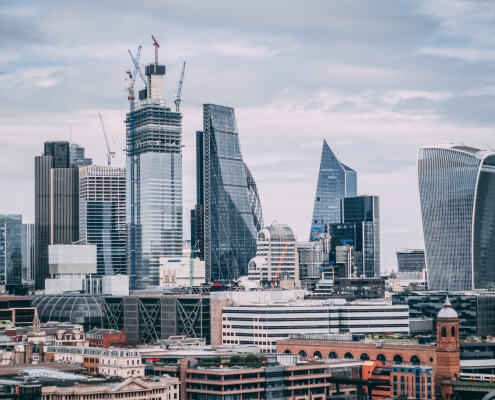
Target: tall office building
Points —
{"points": [[457, 194], [197, 214], [77, 156], [364, 212], [11, 251], [359, 229], [56, 203], [228, 220], [154, 181], [335, 181], [28, 253], [102, 216]]}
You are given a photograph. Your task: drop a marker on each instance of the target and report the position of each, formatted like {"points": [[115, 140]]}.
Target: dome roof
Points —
{"points": [[447, 311]]}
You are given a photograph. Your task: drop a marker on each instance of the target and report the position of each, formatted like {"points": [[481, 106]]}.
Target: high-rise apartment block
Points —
{"points": [[228, 203], [457, 193], [102, 216], [11, 251], [28, 253], [154, 181], [56, 202], [335, 181]]}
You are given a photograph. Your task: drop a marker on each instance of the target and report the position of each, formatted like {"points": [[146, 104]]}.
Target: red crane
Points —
{"points": [[157, 45]]}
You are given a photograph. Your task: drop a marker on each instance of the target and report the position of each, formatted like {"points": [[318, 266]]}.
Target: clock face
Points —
{"points": [[77, 335]]}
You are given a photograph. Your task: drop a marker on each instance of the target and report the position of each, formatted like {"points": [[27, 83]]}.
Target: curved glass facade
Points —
{"points": [[229, 227], [75, 308], [335, 181], [457, 193], [254, 199]]}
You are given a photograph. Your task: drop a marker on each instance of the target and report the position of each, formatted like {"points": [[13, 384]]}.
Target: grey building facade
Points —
{"points": [[148, 318], [102, 218], [476, 310], [228, 219], [56, 203], [335, 181], [28, 253], [457, 193]]}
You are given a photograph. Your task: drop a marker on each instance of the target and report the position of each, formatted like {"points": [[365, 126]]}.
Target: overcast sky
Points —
{"points": [[376, 79]]}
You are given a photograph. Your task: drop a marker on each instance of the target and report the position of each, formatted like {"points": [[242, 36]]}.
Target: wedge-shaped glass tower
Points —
{"points": [[335, 181]]}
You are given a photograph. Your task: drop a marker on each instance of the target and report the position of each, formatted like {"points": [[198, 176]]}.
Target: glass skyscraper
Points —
{"points": [[11, 251], [364, 212], [229, 222], [457, 194], [102, 216], [154, 181], [335, 181]]}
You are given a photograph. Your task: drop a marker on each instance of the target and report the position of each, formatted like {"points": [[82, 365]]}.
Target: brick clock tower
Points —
{"points": [[448, 350]]}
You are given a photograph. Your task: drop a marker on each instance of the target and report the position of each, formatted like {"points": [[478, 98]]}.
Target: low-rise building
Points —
{"points": [[262, 319], [122, 363], [165, 388], [99, 337]]}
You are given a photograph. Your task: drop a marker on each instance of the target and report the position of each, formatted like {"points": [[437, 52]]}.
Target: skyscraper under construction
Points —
{"points": [[154, 180]]}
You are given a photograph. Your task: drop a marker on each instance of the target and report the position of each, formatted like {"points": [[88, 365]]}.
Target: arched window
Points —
{"points": [[444, 331], [288, 351], [397, 359], [415, 360], [302, 353], [381, 358], [452, 332], [364, 357], [332, 354], [348, 355], [317, 354]]}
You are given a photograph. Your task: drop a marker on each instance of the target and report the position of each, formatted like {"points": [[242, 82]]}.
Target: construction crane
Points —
{"points": [[137, 68], [179, 88], [130, 153], [277, 273], [157, 45], [110, 154]]}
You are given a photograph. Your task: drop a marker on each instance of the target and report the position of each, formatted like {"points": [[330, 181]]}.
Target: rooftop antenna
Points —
{"points": [[157, 45]]}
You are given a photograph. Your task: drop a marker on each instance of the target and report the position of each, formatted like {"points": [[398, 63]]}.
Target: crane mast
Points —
{"points": [[130, 154], [179, 89], [110, 154]]}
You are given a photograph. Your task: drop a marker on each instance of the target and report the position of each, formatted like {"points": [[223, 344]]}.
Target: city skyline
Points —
{"points": [[374, 110]]}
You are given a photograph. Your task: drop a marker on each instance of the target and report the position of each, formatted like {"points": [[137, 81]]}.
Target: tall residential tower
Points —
{"points": [[335, 181], [457, 194], [154, 181]]}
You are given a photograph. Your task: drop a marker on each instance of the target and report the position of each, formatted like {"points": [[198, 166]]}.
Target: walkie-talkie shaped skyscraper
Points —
{"points": [[154, 180]]}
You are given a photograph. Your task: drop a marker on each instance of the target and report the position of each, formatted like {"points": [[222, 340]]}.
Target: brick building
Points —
{"points": [[106, 338]]}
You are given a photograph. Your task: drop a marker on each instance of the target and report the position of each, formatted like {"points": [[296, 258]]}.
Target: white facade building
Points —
{"points": [[122, 363], [264, 322], [181, 272], [277, 245]]}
